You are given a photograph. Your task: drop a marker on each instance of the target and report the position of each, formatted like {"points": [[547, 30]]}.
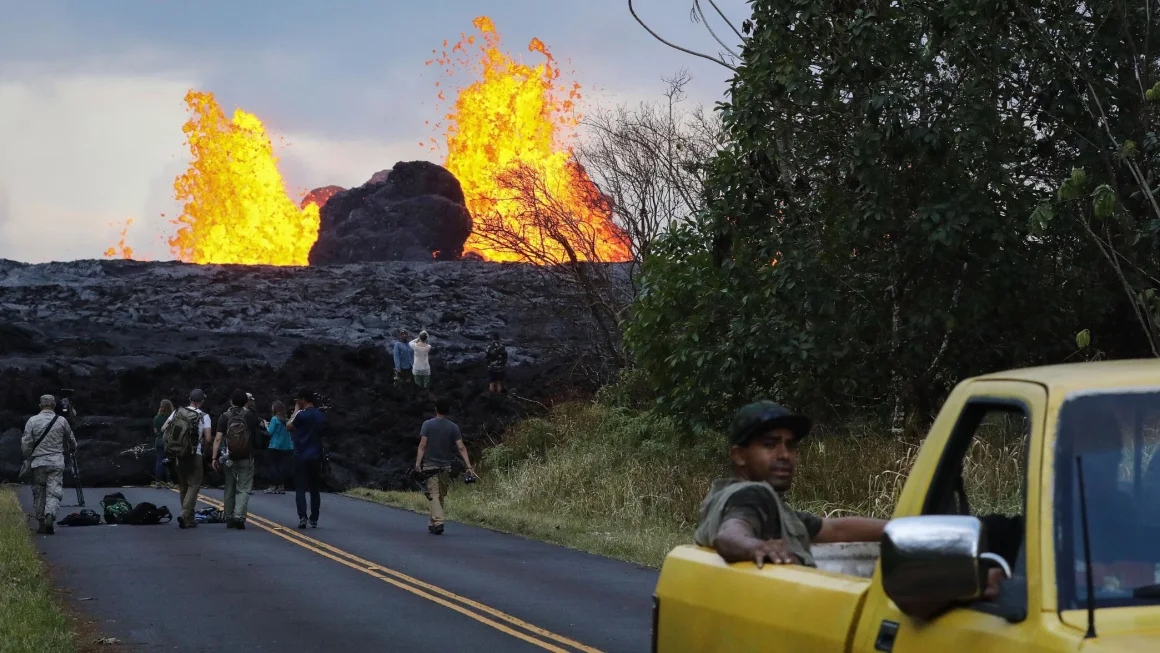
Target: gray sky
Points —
{"points": [[91, 93]]}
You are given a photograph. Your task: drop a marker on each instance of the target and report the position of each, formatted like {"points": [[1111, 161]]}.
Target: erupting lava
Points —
{"points": [[512, 120], [236, 206]]}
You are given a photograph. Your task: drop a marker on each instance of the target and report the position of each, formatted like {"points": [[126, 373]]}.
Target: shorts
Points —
{"points": [[496, 376]]}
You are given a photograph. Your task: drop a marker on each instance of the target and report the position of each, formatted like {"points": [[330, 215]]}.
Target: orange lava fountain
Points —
{"points": [[236, 206], [515, 117]]}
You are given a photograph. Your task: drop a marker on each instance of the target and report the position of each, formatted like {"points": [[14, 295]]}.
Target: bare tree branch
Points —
{"points": [[727, 21], [673, 45], [701, 12]]}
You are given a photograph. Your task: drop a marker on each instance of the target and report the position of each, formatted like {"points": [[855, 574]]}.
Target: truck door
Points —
{"points": [[991, 448]]}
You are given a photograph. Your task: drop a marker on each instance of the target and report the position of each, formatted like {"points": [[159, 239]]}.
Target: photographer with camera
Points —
{"points": [[43, 443], [306, 426], [439, 442]]}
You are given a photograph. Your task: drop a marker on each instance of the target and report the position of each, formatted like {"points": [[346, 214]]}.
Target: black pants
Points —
{"points": [[307, 476]]}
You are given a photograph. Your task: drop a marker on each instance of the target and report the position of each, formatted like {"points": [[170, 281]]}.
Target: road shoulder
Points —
{"points": [[33, 618]]}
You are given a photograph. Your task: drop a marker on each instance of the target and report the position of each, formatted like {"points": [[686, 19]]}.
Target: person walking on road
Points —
{"points": [[186, 431], [160, 470], [404, 358], [233, 456], [421, 363], [281, 448], [439, 442], [306, 426], [496, 365], [43, 443]]}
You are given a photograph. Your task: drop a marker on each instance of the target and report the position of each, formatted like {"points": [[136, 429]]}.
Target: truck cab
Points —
{"points": [[1077, 543]]}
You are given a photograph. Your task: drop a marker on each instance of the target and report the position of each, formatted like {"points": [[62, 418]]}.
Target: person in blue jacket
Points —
{"points": [[404, 358], [281, 450]]}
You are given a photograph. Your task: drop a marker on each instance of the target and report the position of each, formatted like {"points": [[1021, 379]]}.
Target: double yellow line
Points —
{"points": [[501, 621]]}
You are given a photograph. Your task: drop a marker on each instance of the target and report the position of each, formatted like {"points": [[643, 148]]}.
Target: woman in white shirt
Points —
{"points": [[421, 369]]}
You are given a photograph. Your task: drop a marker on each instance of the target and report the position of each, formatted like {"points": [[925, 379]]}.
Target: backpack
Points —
{"points": [[146, 514], [85, 517], [115, 507], [238, 434], [182, 433]]}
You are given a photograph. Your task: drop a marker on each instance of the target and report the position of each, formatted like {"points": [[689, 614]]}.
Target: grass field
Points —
{"points": [[31, 620], [624, 484]]}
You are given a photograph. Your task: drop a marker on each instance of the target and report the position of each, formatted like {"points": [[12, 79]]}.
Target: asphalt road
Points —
{"points": [[369, 578]]}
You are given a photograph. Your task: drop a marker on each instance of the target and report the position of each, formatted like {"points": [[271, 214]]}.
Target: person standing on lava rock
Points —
{"points": [[496, 364], [439, 442], [422, 363], [43, 442], [404, 358], [306, 425]]}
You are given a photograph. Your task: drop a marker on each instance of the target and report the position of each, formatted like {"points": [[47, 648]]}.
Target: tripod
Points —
{"points": [[76, 477]]}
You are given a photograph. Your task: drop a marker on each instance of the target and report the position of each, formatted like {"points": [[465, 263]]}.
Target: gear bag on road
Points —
{"points": [[85, 517], [147, 514], [182, 433], [115, 506]]}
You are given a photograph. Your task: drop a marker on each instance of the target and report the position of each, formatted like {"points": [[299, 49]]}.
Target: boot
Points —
{"points": [[40, 530], [49, 524]]}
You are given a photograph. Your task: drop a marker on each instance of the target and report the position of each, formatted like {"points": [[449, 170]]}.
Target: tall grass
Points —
{"points": [[624, 483], [30, 618]]}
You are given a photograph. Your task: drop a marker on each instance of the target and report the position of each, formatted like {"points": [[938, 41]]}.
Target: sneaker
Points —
{"points": [[314, 523], [436, 530], [302, 523], [181, 522]]}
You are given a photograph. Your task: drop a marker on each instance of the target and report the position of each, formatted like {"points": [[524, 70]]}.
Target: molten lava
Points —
{"points": [[121, 250], [512, 122], [236, 206]]}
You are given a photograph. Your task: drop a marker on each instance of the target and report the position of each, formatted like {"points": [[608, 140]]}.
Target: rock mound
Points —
{"points": [[415, 213]]}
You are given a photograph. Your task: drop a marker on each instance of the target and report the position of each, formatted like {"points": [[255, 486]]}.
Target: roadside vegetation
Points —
{"points": [[626, 483], [30, 617]]}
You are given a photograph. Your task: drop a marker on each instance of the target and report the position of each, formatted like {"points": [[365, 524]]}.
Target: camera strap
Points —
{"points": [[41, 439]]}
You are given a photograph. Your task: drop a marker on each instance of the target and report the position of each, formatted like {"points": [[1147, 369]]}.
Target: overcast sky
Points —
{"points": [[91, 93]]}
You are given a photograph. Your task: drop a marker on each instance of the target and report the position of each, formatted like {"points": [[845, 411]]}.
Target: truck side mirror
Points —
{"points": [[932, 562]]}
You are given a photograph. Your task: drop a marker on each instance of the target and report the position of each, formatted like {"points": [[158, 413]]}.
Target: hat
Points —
{"points": [[47, 400], [760, 416], [197, 396]]}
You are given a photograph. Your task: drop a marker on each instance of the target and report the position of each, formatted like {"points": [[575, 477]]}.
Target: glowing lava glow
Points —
{"points": [[511, 121], [236, 206]]}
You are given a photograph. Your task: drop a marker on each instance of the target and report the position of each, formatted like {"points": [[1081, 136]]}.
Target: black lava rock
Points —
{"points": [[417, 213]]}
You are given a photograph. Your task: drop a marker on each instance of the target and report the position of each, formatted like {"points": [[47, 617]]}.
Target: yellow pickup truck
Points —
{"points": [[1084, 535]]}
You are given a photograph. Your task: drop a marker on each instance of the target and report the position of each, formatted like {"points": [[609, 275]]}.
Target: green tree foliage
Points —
{"points": [[876, 228]]}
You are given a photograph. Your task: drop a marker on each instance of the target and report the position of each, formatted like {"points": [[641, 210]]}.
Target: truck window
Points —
{"points": [[983, 472], [1115, 434]]}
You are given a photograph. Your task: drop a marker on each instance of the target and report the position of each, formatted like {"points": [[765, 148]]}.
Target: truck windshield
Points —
{"points": [[1115, 434]]}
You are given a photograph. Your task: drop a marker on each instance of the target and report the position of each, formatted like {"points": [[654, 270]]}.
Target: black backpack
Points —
{"points": [[85, 517], [146, 514], [115, 506]]}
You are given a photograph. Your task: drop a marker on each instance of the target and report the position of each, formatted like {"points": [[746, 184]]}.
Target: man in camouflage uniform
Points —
{"points": [[746, 517], [47, 460]]}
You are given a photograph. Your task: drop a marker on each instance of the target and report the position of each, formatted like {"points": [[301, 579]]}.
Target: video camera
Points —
{"points": [[65, 409]]}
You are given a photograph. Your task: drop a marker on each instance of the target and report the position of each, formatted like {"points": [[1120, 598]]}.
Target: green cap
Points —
{"points": [[760, 416]]}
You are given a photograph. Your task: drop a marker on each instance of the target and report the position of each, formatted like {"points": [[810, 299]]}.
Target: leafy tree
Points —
{"points": [[867, 242]]}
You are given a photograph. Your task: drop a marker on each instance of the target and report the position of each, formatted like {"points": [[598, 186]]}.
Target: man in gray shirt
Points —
{"points": [[440, 442], [44, 439]]}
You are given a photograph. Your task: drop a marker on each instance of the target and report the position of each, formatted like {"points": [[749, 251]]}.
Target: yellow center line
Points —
{"points": [[413, 585]]}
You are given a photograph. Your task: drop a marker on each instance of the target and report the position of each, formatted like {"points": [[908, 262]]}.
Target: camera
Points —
{"points": [[64, 407]]}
